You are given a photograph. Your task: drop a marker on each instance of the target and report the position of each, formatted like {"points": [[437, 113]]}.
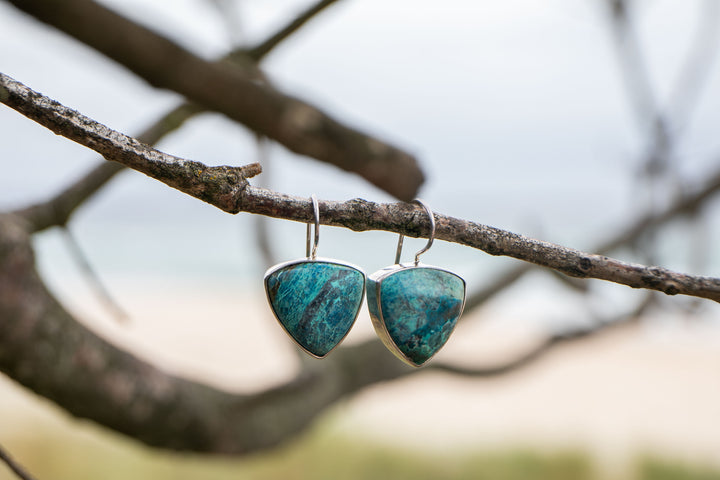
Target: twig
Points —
{"points": [[57, 210], [92, 277], [91, 378], [697, 66], [632, 64], [227, 188], [216, 185], [262, 228], [667, 121], [15, 467], [291, 27], [546, 346], [234, 92], [646, 108], [687, 204], [227, 11]]}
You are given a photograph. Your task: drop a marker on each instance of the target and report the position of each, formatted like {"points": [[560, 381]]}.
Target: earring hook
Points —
{"points": [[430, 238], [316, 211]]}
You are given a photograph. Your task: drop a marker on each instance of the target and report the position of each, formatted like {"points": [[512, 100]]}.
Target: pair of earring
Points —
{"points": [[413, 307]]}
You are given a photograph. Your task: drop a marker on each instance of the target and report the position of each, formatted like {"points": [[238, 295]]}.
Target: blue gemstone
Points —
{"points": [[316, 301], [415, 309]]}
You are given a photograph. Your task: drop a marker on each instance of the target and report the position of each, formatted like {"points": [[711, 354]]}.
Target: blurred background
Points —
{"points": [[562, 120]]}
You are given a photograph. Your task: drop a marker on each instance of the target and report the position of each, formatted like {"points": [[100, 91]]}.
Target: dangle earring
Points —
{"points": [[415, 307], [316, 300]]}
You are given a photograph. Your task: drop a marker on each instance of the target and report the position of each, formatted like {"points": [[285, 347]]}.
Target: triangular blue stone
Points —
{"points": [[415, 309], [316, 301]]}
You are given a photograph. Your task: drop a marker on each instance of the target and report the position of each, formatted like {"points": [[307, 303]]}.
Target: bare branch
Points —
{"points": [[687, 204], [698, 63], [14, 467], [547, 345], [632, 64], [227, 188], [263, 241], [294, 25], [216, 185], [93, 279], [665, 121], [48, 351], [91, 378], [232, 91], [124, 393], [57, 210], [361, 215]]}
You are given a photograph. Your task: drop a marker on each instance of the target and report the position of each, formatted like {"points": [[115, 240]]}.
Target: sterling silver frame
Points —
{"points": [[280, 266], [379, 323]]}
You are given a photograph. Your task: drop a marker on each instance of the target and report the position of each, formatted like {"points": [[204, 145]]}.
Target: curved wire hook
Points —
{"points": [[312, 254], [430, 238]]}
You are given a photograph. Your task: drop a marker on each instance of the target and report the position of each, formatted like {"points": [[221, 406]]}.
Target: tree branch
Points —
{"points": [[546, 346], [14, 467], [227, 188], [634, 70], [49, 352], [44, 348], [216, 185], [263, 48], [297, 125], [92, 278], [57, 210], [687, 204], [698, 63]]}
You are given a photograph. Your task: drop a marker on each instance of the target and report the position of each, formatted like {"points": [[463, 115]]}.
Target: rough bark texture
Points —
{"points": [[45, 349], [216, 185], [227, 189], [687, 204], [361, 215], [234, 92], [56, 211]]}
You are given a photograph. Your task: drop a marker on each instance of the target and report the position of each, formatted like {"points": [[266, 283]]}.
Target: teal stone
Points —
{"points": [[316, 301], [415, 309]]}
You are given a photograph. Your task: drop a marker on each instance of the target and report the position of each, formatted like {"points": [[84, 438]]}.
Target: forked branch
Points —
{"points": [[234, 92], [56, 211]]}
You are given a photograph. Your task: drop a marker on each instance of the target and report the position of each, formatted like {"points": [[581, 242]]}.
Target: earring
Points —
{"points": [[415, 307], [316, 300]]}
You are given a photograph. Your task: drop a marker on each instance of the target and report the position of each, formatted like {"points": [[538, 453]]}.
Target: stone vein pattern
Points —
{"points": [[415, 309], [316, 301]]}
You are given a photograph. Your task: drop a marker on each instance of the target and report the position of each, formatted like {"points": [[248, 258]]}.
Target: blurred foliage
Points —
{"points": [[89, 453], [650, 468]]}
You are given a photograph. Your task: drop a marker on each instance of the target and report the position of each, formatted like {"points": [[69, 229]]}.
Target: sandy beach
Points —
{"points": [[626, 392]]}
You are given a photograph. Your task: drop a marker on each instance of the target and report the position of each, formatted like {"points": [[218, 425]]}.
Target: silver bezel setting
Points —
{"points": [[379, 323], [282, 265]]}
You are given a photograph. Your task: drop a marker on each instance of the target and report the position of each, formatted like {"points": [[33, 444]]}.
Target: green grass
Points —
{"points": [[86, 452], [649, 468]]}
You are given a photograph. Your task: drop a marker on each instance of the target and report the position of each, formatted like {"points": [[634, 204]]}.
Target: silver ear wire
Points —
{"points": [[400, 240], [312, 254]]}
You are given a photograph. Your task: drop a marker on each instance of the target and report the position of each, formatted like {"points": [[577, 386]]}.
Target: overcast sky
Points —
{"points": [[516, 109]]}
